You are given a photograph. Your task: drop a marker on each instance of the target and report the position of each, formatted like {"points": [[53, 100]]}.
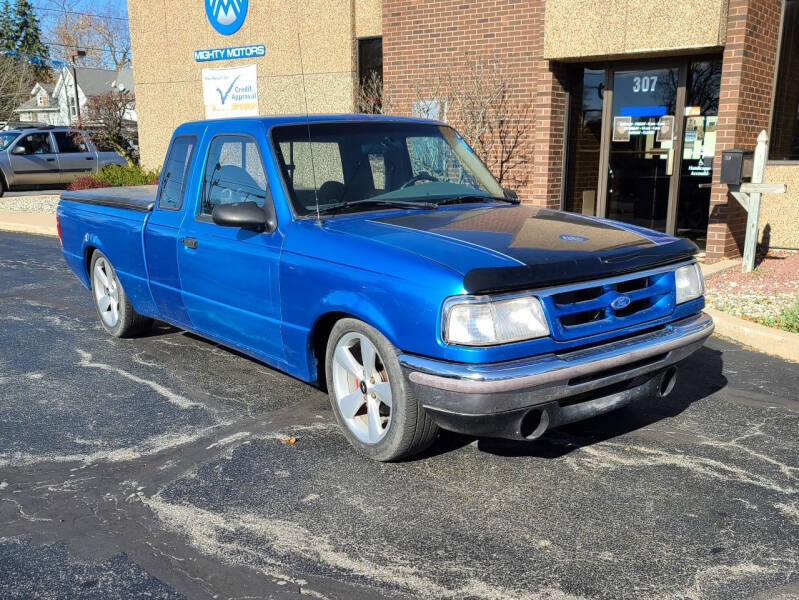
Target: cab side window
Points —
{"points": [[176, 172], [234, 172], [36, 143]]}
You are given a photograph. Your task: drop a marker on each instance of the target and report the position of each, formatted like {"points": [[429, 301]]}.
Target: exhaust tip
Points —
{"points": [[534, 423], [667, 382]]}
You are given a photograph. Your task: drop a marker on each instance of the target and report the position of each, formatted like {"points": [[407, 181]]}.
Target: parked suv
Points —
{"points": [[48, 157]]}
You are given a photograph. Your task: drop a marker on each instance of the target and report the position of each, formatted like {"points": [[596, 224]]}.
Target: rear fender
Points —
{"points": [[136, 286]]}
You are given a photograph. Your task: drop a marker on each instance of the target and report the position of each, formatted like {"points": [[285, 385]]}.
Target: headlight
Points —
{"points": [[486, 322], [689, 283]]}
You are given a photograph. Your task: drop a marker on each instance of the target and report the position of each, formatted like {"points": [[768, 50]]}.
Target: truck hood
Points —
{"points": [[514, 247]]}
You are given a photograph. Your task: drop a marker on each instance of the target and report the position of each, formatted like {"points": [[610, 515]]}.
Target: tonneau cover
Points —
{"points": [[139, 197]]}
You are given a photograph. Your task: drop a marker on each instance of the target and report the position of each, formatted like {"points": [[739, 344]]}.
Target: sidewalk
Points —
{"points": [[27, 222]]}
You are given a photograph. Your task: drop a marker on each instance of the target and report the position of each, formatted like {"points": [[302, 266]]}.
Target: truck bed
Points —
{"points": [[139, 198]]}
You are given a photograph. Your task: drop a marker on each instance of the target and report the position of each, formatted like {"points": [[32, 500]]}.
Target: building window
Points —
{"points": [[370, 58], [72, 111], [785, 119], [370, 75], [41, 100]]}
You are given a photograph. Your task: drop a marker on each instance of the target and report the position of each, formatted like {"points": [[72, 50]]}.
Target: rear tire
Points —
{"points": [[375, 408], [116, 313]]}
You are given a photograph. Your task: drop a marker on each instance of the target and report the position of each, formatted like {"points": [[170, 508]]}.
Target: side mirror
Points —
{"points": [[244, 215], [511, 195], [19, 149]]}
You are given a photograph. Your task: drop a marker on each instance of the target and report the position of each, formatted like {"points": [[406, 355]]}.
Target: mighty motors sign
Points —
{"points": [[227, 17], [229, 92]]}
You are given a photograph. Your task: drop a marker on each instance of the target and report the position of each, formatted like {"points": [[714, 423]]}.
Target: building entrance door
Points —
{"points": [[642, 141], [641, 148]]}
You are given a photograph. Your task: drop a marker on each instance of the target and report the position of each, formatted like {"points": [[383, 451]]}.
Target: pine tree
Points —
{"points": [[7, 39], [27, 33]]}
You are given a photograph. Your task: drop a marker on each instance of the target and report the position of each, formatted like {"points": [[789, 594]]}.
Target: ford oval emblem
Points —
{"points": [[620, 302], [572, 238], [226, 16]]}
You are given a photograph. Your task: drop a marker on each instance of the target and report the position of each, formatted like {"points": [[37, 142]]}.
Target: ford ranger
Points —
{"points": [[378, 258]]}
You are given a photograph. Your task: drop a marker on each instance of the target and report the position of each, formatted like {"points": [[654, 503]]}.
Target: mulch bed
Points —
{"points": [[770, 290]]}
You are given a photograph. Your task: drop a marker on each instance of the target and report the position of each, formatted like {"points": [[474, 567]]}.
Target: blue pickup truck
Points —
{"points": [[378, 258]]}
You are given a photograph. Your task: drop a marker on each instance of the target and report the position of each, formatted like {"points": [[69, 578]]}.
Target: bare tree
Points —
{"points": [[104, 118], [371, 98], [479, 102], [17, 78], [99, 29]]}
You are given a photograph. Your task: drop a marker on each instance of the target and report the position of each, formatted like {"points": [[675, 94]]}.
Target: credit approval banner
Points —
{"points": [[231, 92]]}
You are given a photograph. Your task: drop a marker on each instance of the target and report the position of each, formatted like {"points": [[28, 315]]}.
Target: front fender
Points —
{"points": [[339, 305], [302, 317], [359, 306]]}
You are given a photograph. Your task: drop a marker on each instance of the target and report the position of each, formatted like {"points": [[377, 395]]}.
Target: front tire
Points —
{"points": [[117, 315], [374, 407]]}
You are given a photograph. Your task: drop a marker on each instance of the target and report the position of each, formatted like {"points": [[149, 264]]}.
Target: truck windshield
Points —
{"points": [[6, 137], [371, 165]]}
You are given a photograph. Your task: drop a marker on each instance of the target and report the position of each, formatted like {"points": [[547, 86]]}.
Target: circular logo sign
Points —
{"points": [[620, 302], [226, 16]]}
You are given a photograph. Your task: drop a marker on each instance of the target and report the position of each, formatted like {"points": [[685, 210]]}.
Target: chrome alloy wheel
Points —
{"points": [[361, 388], [106, 292]]}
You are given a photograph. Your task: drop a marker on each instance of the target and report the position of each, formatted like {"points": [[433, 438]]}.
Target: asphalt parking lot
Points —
{"points": [[161, 467]]}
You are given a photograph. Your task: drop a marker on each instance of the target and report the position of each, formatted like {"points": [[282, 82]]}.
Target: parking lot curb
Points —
{"points": [[25, 222], [766, 339]]}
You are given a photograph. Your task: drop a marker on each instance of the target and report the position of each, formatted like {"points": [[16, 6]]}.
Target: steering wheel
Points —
{"points": [[420, 177]]}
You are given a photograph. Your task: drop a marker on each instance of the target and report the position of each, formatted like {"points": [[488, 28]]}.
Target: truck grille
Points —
{"points": [[596, 307]]}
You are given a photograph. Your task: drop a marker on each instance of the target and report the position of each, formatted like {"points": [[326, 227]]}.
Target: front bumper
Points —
{"points": [[520, 399]]}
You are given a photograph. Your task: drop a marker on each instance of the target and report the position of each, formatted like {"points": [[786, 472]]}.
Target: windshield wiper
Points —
{"points": [[474, 197], [376, 202]]}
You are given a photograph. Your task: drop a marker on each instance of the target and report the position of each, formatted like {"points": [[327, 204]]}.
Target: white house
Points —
{"points": [[42, 107], [55, 104]]}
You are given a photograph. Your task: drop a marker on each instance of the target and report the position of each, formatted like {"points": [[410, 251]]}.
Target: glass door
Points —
{"points": [[698, 149], [641, 152]]}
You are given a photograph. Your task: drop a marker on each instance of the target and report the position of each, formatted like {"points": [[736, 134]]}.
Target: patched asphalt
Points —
{"points": [[160, 467]]}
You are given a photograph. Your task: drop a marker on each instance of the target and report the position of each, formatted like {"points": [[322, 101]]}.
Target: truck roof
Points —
{"points": [[269, 121]]}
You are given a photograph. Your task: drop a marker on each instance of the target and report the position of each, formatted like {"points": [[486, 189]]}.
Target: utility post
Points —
{"points": [[748, 195], [74, 56]]}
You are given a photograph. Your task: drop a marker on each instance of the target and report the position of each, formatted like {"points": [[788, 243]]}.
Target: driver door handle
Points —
{"points": [[190, 242]]}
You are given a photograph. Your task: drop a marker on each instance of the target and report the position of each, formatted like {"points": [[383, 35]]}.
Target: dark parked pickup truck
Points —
{"points": [[378, 257]]}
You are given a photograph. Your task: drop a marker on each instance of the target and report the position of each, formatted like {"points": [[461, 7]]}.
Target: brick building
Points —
{"points": [[619, 109], [682, 81]]}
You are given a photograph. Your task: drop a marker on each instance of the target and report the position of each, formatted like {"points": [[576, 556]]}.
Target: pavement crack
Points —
{"points": [[176, 399]]}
